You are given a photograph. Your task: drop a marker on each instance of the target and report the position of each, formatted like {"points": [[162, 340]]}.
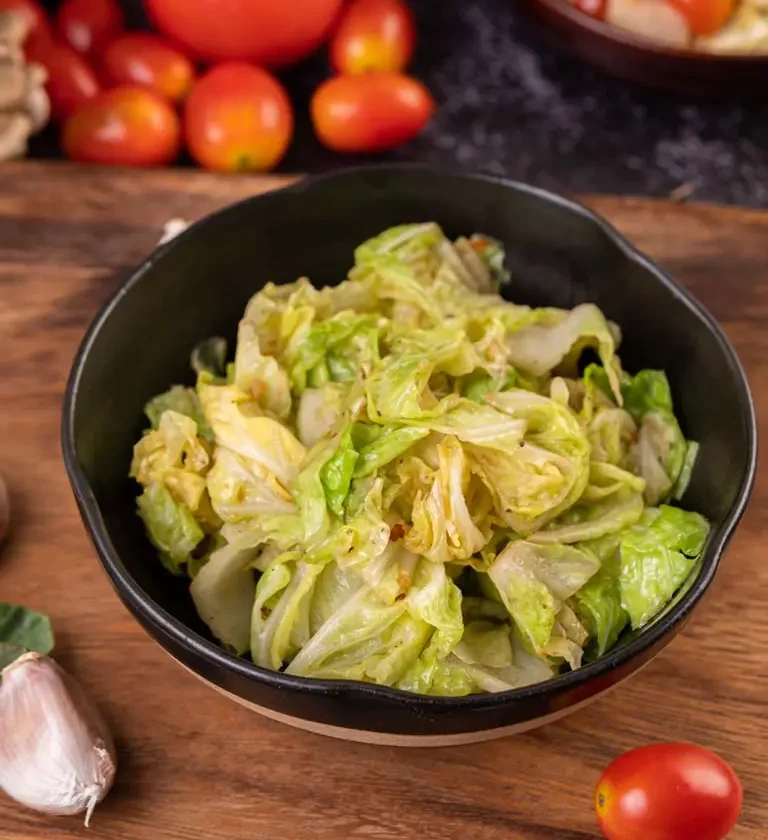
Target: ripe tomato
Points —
{"points": [[670, 791], [370, 113], [71, 81], [127, 126], [40, 30], [704, 16], [373, 35], [140, 58], [89, 25], [268, 32], [238, 118]]}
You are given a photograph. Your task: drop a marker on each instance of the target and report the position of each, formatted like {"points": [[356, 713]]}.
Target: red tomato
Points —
{"points": [[238, 118], [668, 791], [126, 126], [269, 32], [594, 8], [140, 58], [370, 113], [89, 25], [35, 15], [373, 35], [704, 16], [71, 81]]}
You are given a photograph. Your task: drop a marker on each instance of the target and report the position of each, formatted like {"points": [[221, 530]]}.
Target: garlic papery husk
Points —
{"points": [[56, 754]]}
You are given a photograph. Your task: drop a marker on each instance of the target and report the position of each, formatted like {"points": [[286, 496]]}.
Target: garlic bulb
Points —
{"points": [[56, 754]]}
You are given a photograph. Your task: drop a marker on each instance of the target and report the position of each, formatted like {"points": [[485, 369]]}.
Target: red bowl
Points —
{"points": [[627, 56]]}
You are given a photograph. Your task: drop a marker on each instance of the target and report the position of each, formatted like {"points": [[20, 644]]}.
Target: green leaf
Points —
{"points": [[599, 607], [559, 339], [336, 473], [170, 525], [384, 444], [22, 630], [647, 391], [684, 479], [533, 580], [657, 555], [183, 401]]}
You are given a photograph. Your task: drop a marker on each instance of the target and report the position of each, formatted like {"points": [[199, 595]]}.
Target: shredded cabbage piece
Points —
{"points": [[407, 480]]}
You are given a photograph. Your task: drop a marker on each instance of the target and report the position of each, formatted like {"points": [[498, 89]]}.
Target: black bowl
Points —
{"points": [[197, 285]]}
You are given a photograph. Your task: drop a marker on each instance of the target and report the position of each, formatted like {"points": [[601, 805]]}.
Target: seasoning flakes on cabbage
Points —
{"points": [[407, 480]]}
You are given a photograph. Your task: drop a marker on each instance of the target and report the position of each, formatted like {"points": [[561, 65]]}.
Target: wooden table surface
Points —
{"points": [[194, 765]]}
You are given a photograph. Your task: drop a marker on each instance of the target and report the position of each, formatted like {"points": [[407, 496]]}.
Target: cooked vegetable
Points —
{"points": [[407, 480]]}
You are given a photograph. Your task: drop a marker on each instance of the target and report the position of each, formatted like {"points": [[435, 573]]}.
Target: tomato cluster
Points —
{"points": [[135, 98]]}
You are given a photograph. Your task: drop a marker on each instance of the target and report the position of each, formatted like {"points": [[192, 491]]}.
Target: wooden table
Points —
{"points": [[193, 765]]}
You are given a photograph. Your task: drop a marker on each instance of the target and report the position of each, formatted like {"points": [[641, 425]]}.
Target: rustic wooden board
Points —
{"points": [[193, 764]]}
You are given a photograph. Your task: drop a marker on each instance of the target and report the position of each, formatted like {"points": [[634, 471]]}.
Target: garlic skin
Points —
{"points": [[56, 753]]}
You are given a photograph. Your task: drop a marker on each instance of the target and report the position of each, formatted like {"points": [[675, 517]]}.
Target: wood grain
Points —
{"points": [[193, 764]]}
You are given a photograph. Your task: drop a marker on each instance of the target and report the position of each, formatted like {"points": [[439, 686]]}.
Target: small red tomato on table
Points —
{"points": [[669, 791], [373, 36], [89, 25], [125, 126], [238, 118], [370, 112], [271, 33], [142, 58], [71, 81]]}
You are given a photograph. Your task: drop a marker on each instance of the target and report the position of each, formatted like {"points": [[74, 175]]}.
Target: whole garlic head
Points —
{"points": [[56, 753]]}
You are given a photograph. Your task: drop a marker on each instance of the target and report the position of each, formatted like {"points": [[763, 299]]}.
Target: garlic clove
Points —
{"points": [[37, 104], [13, 82], [15, 129], [56, 753], [14, 27]]}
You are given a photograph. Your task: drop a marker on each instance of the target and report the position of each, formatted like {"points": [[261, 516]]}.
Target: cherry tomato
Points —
{"points": [[71, 81], [704, 16], [670, 791], [272, 33], [373, 36], [593, 8], [238, 118], [143, 59], [370, 113], [126, 126], [89, 25]]}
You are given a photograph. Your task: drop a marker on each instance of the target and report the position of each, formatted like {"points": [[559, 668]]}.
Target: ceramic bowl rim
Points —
{"points": [[172, 628]]}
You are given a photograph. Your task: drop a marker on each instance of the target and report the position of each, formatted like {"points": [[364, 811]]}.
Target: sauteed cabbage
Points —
{"points": [[407, 480]]}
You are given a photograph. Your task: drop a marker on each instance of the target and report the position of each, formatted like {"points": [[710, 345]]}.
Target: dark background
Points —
{"points": [[511, 106]]}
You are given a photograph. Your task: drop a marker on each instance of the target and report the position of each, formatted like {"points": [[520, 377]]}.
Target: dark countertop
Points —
{"points": [[510, 105]]}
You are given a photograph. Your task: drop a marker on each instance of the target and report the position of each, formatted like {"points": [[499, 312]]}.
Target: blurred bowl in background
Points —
{"points": [[632, 57]]}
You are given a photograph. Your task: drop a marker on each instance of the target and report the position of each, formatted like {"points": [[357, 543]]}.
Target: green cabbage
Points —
{"points": [[405, 479]]}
